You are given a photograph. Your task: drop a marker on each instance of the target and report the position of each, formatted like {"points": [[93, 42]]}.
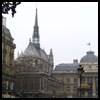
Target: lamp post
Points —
{"points": [[80, 72]]}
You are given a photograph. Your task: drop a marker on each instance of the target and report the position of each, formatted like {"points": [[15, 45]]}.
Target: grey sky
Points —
{"points": [[66, 27]]}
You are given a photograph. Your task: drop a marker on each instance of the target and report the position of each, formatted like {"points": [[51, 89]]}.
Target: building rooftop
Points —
{"points": [[31, 50], [89, 58], [6, 30], [66, 67]]}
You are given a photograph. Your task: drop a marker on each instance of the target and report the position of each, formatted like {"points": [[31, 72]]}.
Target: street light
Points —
{"points": [[80, 72]]}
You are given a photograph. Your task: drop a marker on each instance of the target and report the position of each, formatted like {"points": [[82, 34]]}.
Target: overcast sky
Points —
{"points": [[66, 27]]}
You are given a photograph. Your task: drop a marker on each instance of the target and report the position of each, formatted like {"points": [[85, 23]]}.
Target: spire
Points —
{"points": [[29, 40], [36, 20], [51, 58], [36, 38], [51, 54]]}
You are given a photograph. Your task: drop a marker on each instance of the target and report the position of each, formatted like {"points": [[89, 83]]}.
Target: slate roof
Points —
{"points": [[66, 67], [6, 30], [31, 50], [89, 58]]}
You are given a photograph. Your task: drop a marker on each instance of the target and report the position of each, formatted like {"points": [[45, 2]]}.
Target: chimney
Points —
{"points": [[4, 21], [75, 61]]}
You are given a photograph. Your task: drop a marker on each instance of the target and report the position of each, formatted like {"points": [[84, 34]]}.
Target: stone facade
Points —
{"points": [[8, 69], [34, 70], [68, 74], [70, 79], [35, 81]]}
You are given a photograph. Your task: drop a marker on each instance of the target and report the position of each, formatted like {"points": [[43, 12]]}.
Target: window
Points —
{"points": [[89, 80], [75, 88], [75, 79], [4, 45], [3, 58], [11, 52], [96, 81], [37, 84], [10, 62], [68, 88], [38, 61], [83, 80], [75, 85], [68, 80], [89, 66], [7, 84], [11, 86], [4, 51], [47, 68]]}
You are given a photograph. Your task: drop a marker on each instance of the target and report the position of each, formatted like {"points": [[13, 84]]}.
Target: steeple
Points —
{"points": [[36, 38], [51, 54], [36, 20], [51, 58]]}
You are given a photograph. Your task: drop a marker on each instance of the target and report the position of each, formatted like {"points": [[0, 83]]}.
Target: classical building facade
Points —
{"points": [[68, 73], [8, 69], [90, 76], [34, 68]]}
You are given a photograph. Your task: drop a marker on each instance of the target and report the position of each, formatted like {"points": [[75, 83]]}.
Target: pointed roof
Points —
{"points": [[36, 20], [32, 51], [36, 37], [51, 54], [36, 28]]}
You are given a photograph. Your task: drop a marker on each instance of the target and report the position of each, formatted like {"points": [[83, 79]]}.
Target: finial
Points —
{"points": [[51, 52]]}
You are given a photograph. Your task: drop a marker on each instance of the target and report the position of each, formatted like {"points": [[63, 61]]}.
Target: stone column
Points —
{"points": [[86, 81], [42, 88], [78, 86], [93, 87], [86, 93], [40, 85]]}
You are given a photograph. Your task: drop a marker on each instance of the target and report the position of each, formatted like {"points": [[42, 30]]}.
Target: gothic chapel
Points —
{"points": [[34, 68]]}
